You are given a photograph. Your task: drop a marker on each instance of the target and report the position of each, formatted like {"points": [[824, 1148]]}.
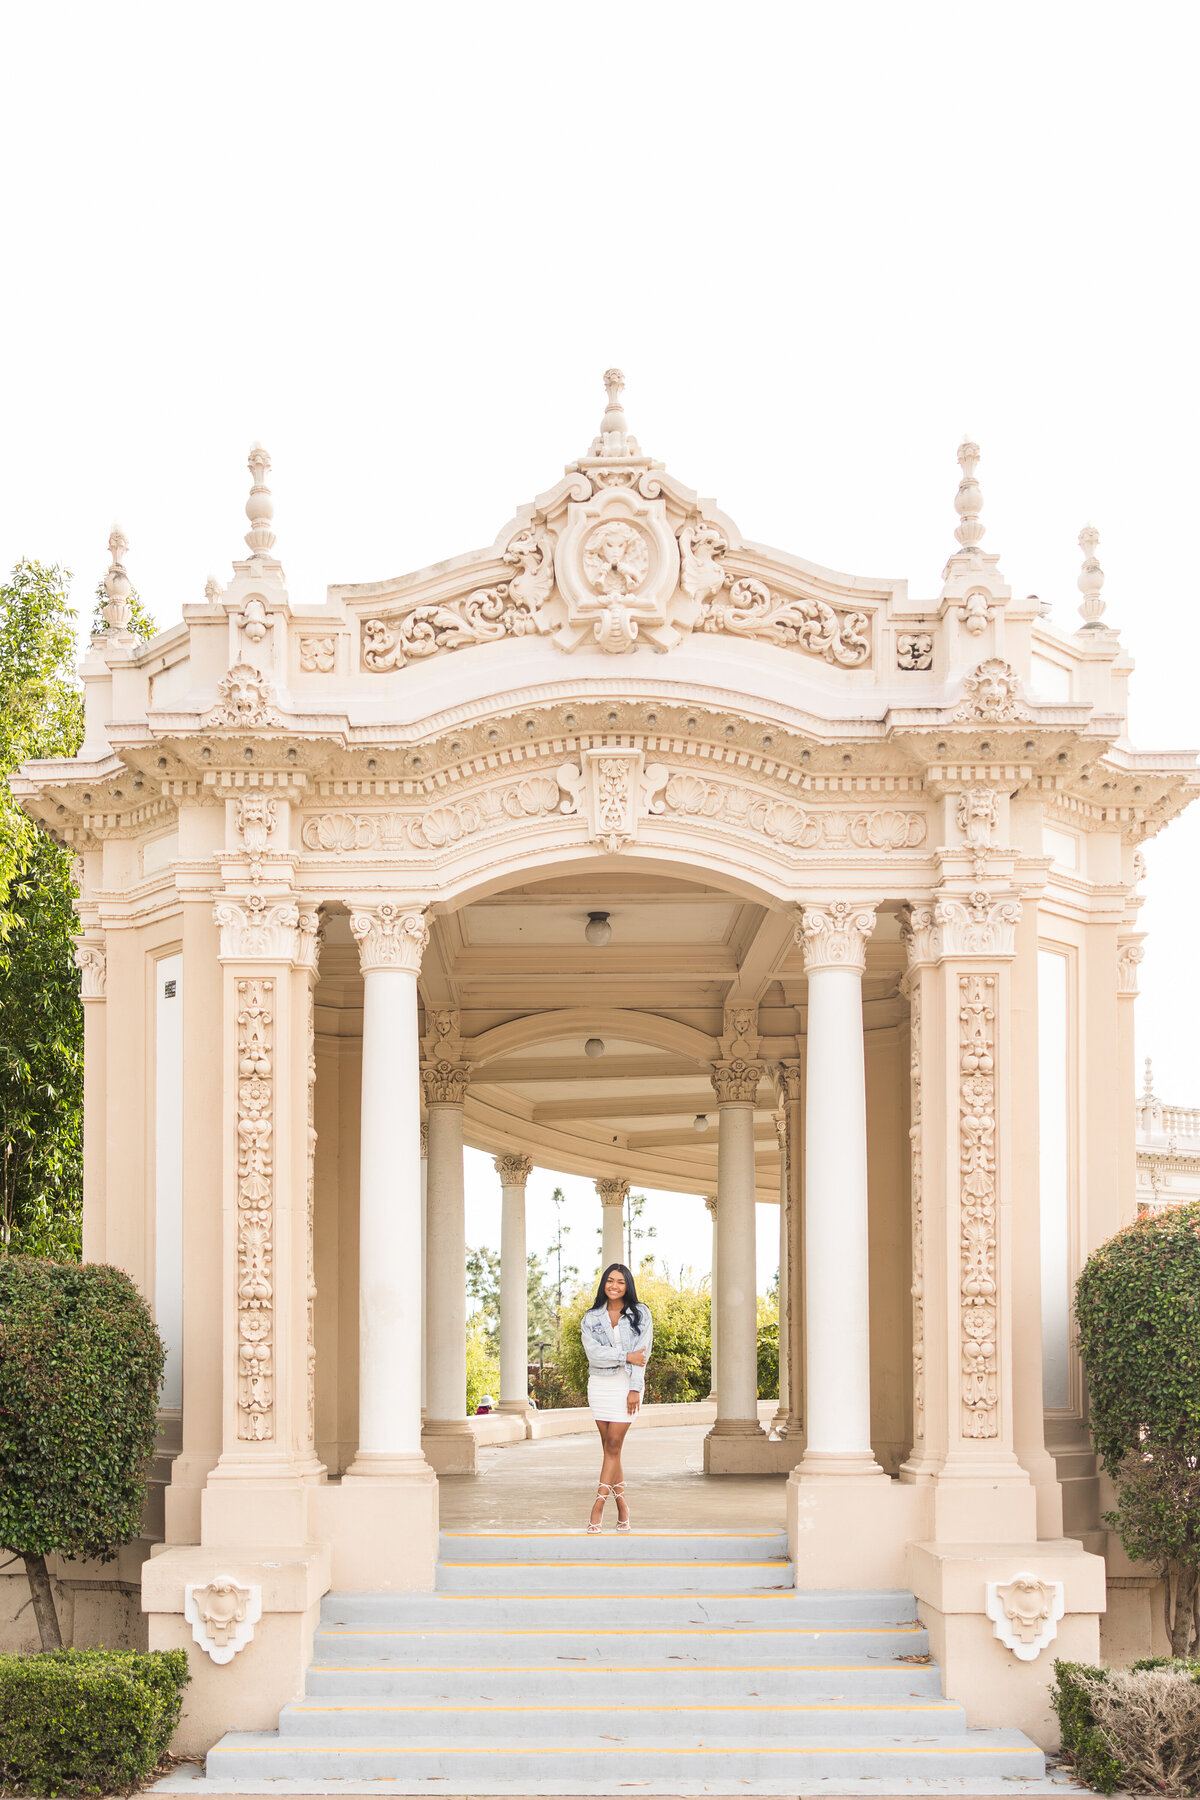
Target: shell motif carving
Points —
{"points": [[788, 823]]}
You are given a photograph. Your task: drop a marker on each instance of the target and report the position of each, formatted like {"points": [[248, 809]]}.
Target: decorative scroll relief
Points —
{"points": [[788, 823], [389, 936], [978, 1205], [255, 1199], [222, 1614], [614, 789], [977, 924], [246, 701], [256, 929], [835, 936], [736, 1082], [992, 691], [514, 1171], [752, 610], [511, 609], [92, 964], [1025, 1613], [1128, 958]]}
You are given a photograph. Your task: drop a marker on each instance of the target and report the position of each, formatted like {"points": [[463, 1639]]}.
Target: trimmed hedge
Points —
{"points": [[87, 1721], [1137, 1729]]}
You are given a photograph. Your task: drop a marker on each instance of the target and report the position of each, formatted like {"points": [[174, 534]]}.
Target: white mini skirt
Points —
{"points": [[608, 1391]]}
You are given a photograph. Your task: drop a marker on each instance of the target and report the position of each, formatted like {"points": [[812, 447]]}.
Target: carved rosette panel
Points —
{"points": [[916, 1152], [786, 822], [318, 655], [389, 936], [736, 1082], [978, 1217], [514, 1171], [255, 1208], [750, 609], [834, 936]]}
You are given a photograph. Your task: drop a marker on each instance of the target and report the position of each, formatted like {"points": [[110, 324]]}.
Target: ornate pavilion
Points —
{"points": [[847, 876]]}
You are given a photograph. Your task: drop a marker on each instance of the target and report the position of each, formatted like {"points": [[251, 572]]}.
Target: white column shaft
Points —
{"points": [[514, 1299], [713, 1310], [784, 1326], [446, 1290], [612, 1239], [737, 1324], [389, 1230], [838, 1414]]}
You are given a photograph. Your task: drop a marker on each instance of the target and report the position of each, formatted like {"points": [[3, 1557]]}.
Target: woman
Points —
{"points": [[617, 1333]]}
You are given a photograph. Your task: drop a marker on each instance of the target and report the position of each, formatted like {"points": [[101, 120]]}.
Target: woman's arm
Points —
{"points": [[645, 1337], [597, 1347]]}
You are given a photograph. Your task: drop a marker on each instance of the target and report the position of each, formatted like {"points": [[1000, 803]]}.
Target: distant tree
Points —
{"points": [[483, 1287], [680, 1362], [635, 1233]]}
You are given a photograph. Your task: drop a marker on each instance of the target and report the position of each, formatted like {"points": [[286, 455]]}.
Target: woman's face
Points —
{"points": [[614, 1287]]}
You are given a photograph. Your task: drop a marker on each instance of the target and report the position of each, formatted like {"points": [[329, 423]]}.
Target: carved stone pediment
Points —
{"points": [[616, 567]]}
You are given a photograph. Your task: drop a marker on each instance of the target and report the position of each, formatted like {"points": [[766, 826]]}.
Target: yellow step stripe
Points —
{"points": [[619, 1668], [777, 1562], [618, 1631], [811, 1706], [593, 1749]]}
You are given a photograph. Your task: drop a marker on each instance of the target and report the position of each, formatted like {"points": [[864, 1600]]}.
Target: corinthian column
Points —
{"points": [[391, 941], [613, 1195], [448, 1438], [735, 1083], [710, 1202], [836, 1301], [514, 1172]]}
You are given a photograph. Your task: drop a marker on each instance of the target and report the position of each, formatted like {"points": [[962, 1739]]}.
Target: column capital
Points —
{"points": [[92, 963], [788, 1085], [444, 1083], [918, 934], [781, 1129], [833, 935], [735, 1083], [514, 1171], [979, 923], [710, 1200], [1129, 955], [257, 927], [612, 1190], [390, 936]]}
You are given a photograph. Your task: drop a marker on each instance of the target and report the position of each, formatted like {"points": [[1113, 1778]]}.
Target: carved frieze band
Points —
{"points": [[514, 1171], [834, 935], [978, 1216], [389, 936], [255, 1207]]}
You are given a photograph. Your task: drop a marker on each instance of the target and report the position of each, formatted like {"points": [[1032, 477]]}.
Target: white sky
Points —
{"points": [[401, 244]]}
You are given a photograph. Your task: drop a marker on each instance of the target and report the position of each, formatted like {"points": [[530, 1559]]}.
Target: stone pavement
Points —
{"points": [[548, 1483]]}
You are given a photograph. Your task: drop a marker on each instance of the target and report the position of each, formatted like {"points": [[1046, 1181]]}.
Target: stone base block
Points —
{"points": [[382, 1531], [245, 1693], [983, 1674], [245, 1512], [451, 1449], [1133, 1625], [852, 1531], [752, 1454]]}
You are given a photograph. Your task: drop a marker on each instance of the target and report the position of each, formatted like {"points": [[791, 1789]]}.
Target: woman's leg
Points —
{"points": [[598, 1506], [614, 1438]]}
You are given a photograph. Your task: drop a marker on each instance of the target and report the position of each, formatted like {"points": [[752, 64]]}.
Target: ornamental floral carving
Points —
{"points": [[389, 936], [736, 1082], [834, 935], [246, 701], [914, 650], [92, 964], [916, 1153], [978, 811], [991, 691], [340, 832], [751, 610], [510, 609], [222, 1614], [255, 1203], [1025, 1613], [1128, 958], [615, 789], [514, 1171], [613, 1191], [978, 1311], [976, 924], [318, 655], [786, 822], [257, 929], [445, 1083]]}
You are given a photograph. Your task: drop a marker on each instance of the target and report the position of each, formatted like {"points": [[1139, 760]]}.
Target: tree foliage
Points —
{"points": [[680, 1362], [81, 1364], [1137, 1303], [483, 1286]]}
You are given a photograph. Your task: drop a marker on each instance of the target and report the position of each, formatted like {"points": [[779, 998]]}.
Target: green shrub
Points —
{"points": [[483, 1365], [87, 1721], [1137, 1303], [80, 1368], [680, 1358], [1137, 1728]]}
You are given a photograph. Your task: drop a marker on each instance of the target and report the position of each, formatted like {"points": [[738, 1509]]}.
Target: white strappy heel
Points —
{"points": [[602, 1493], [618, 1493]]}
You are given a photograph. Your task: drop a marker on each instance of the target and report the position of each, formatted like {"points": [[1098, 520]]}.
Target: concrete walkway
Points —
{"points": [[548, 1484]]}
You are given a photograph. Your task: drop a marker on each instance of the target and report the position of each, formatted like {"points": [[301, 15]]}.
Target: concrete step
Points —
{"points": [[652, 1608], [562, 1578], [575, 1679], [371, 1720], [610, 1546], [547, 1765], [702, 1644]]}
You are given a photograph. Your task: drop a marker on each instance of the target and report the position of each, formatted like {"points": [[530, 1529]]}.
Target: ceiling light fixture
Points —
{"points": [[597, 931], [700, 1122], [594, 1047]]}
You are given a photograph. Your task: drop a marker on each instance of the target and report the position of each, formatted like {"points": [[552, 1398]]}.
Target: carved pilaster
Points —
{"points": [[92, 963], [834, 935], [256, 1208], [916, 1152], [736, 1083], [978, 1208], [308, 957], [390, 936], [514, 1171]]}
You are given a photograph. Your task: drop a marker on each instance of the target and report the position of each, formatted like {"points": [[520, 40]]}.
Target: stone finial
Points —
{"points": [[1091, 580], [968, 502], [117, 585], [260, 508], [1148, 1089], [614, 438]]}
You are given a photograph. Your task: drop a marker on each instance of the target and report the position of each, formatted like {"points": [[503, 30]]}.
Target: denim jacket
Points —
{"points": [[607, 1349]]}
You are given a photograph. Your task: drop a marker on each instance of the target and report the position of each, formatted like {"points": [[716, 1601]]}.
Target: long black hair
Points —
{"points": [[631, 1308]]}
